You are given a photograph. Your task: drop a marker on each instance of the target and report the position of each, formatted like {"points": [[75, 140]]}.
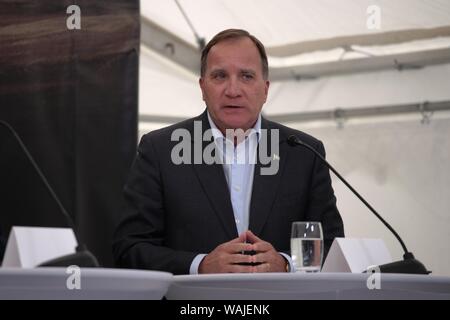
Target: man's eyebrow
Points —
{"points": [[217, 70], [248, 71]]}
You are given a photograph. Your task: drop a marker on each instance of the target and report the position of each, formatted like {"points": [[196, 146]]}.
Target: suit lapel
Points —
{"points": [[212, 179], [265, 186]]}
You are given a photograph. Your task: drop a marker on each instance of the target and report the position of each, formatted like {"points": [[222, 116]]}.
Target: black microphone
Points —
{"points": [[409, 264], [82, 257]]}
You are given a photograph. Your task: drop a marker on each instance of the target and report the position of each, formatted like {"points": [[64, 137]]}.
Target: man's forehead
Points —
{"points": [[235, 45], [243, 56]]}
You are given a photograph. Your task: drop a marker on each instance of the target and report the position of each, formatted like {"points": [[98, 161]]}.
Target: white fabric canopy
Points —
{"points": [[284, 22], [290, 23], [169, 90]]}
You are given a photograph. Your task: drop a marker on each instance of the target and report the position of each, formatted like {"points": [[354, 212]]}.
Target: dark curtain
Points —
{"points": [[72, 97]]}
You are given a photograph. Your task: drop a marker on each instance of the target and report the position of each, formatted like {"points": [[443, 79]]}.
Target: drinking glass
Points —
{"points": [[307, 246]]}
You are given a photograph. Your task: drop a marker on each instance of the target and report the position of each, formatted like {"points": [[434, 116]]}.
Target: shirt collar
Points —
{"points": [[217, 134]]}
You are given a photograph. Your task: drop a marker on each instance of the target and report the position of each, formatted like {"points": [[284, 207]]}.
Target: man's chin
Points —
{"points": [[237, 125], [238, 120]]}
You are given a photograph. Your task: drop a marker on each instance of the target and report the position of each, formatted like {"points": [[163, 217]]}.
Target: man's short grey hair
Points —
{"points": [[235, 34]]}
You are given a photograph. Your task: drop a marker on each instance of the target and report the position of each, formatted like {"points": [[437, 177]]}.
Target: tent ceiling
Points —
{"points": [[290, 22], [331, 38], [381, 38], [351, 59], [325, 44]]}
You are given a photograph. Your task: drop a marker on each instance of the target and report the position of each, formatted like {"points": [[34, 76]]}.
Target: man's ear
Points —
{"points": [[266, 89], [201, 82]]}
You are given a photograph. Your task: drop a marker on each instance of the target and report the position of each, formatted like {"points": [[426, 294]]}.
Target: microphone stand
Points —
{"points": [[409, 264], [82, 257]]}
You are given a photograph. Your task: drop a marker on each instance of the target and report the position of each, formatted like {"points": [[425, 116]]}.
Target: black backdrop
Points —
{"points": [[72, 97]]}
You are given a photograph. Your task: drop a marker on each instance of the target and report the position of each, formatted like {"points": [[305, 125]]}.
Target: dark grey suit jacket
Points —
{"points": [[174, 212]]}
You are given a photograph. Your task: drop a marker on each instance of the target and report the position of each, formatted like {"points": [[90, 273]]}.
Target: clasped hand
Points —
{"points": [[230, 257]]}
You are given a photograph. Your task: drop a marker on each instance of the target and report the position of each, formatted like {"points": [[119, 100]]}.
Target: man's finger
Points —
{"points": [[238, 247], [262, 246], [260, 258], [242, 238], [251, 237], [263, 267], [238, 268], [240, 258]]}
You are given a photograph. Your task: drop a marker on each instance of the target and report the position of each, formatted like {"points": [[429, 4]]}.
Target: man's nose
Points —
{"points": [[233, 88]]}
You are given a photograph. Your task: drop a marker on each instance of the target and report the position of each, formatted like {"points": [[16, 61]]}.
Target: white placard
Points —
{"points": [[355, 255], [28, 247]]}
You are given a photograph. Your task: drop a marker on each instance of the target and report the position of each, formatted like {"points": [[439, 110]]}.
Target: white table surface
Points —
{"points": [[288, 286], [95, 283]]}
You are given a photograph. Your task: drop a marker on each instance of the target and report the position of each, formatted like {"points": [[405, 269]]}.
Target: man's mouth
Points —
{"points": [[233, 107]]}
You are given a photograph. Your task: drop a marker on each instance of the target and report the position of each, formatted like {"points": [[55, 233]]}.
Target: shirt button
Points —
{"points": [[237, 221], [237, 188]]}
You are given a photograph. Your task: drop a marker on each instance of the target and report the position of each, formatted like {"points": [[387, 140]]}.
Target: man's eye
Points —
{"points": [[218, 75], [247, 76]]}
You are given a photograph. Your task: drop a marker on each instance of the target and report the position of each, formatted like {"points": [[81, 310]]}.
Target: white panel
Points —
{"points": [[403, 169], [166, 89], [360, 90]]}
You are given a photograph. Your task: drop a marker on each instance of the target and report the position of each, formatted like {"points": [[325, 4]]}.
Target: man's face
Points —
{"points": [[233, 86]]}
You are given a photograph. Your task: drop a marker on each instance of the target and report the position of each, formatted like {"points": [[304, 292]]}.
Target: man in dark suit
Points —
{"points": [[187, 214]]}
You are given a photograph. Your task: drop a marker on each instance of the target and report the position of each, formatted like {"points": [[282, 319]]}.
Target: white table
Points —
{"points": [[287, 286], [95, 283]]}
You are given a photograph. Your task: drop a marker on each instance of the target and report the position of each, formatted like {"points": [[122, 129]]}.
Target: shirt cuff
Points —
{"points": [[289, 260], [196, 263]]}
